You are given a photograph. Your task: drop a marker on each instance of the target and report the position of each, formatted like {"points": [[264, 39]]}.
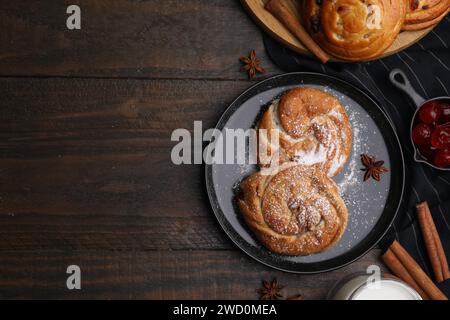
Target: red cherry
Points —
{"points": [[427, 152], [445, 113], [442, 158], [430, 112], [440, 138], [421, 134]]}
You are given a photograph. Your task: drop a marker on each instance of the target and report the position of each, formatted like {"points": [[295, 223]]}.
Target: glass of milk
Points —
{"points": [[357, 287]]}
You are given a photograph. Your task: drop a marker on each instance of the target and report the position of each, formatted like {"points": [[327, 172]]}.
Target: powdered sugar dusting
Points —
{"points": [[311, 157], [338, 162], [335, 113], [365, 201], [357, 194], [351, 177]]}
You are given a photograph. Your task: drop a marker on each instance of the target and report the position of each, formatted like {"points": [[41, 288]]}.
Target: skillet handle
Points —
{"points": [[401, 81]]}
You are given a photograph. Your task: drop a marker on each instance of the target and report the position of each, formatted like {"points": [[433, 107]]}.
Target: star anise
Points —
{"points": [[251, 65], [270, 290], [373, 168]]}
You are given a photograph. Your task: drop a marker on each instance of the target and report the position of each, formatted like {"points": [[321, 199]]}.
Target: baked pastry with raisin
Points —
{"points": [[354, 30], [422, 14]]}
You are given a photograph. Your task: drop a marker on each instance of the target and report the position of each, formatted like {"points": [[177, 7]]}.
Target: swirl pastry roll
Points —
{"points": [[354, 29], [297, 210], [313, 129], [421, 14]]}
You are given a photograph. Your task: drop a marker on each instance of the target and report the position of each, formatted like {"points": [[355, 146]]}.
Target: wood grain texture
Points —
{"points": [[126, 38], [274, 27], [155, 275], [85, 170]]}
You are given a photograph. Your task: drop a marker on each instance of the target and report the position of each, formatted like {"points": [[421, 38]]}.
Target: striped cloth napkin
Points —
{"points": [[427, 64]]}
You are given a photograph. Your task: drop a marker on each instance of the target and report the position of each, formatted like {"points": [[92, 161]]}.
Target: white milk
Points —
{"points": [[356, 287], [387, 290]]}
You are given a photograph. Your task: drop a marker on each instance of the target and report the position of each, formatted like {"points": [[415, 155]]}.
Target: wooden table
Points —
{"points": [[85, 170]]}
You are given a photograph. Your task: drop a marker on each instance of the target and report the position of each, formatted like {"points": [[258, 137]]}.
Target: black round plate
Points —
{"points": [[372, 206]]}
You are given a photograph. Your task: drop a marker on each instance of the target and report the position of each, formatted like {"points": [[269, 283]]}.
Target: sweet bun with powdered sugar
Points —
{"points": [[313, 129]]}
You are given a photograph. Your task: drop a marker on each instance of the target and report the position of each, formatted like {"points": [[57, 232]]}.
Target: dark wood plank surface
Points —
{"points": [[125, 38], [92, 170], [85, 171], [160, 274]]}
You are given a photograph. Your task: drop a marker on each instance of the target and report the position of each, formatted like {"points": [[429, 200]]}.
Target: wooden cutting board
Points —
{"points": [[274, 27]]}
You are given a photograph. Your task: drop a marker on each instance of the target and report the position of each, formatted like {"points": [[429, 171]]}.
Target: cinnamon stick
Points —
{"points": [[435, 250], [416, 272], [441, 252], [282, 12], [400, 271], [424, 217]]}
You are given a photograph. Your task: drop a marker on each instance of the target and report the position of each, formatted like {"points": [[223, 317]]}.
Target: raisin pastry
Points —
{"points": [[421, 14], [296, 210], [313, 128], [354, 30]]}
